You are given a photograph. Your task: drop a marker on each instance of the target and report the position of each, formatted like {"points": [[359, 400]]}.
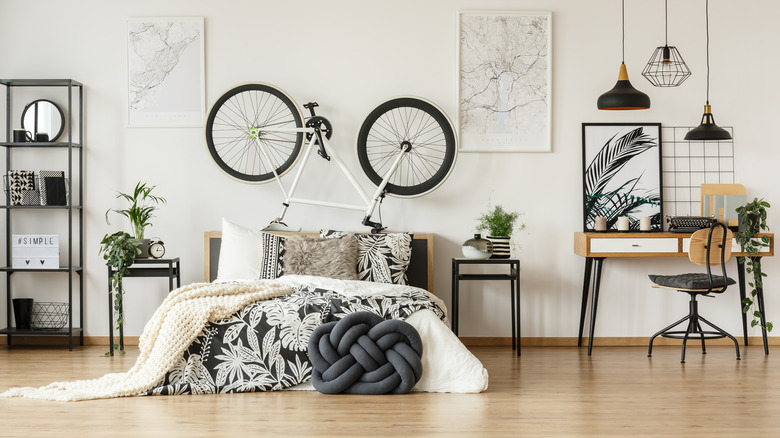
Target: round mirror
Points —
{"points": [[43, 116]]}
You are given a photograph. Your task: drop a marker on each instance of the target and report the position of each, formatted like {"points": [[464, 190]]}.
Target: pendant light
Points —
{"points": [[708, 130], [623, 96], [666, 67]]}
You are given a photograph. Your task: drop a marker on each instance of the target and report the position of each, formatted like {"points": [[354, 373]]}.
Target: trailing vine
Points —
{"points": [[753, 222]]}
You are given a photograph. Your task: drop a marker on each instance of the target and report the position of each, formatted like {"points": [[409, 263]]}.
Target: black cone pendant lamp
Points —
{"points": [[666, 67], [708, 130], [623, 96]]}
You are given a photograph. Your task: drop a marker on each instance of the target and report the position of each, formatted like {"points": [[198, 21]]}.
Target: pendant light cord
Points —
{"points": [[666, 23], [707, 27], [623, 12]]}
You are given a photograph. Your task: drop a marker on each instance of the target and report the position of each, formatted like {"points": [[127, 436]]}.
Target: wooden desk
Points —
{"points": [[596, 247]]}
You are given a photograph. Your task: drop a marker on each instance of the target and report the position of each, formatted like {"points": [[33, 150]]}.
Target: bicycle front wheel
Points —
{"points": [[407, 122], [250, 132]]}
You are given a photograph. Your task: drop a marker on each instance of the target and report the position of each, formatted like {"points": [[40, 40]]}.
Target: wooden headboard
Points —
{"points": [[420, 272]]}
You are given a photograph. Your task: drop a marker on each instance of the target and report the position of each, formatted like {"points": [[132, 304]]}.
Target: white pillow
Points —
{"points": [[241, 253]]}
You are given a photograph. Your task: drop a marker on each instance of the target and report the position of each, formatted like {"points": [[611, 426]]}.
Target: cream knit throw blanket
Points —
{"points": [[175, 325]]}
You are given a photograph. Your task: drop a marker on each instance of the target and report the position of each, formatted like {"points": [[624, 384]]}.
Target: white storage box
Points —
{"points": [[36, 262], [35, 251]]}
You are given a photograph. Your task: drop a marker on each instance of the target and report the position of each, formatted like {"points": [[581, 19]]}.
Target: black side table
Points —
{"points": [[140, 268], [514, 280]]}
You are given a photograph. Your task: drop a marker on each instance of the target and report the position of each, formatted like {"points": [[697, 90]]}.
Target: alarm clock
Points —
{"points": [[156, 249]]}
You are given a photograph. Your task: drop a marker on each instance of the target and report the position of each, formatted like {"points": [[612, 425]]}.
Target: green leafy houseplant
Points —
{"points": [[498, 222], [753, 222], [119, 251], [121, 248], [141, 209]]}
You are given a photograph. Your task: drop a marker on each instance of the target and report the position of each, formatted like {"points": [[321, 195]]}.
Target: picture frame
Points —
{"points": [[622, 174], [505, 81], [166, 80]]}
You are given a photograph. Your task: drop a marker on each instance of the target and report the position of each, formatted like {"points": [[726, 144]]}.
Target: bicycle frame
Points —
{"points": [[326, 151]]}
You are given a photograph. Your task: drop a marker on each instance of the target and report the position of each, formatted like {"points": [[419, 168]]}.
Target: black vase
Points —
{"points": [[23, 312]]}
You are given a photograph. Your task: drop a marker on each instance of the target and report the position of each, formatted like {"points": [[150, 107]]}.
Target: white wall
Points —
{"points": [[365, 52]]}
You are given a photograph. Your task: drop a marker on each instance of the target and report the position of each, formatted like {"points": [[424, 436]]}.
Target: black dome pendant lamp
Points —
{"points": [[623, 96], [666, 67], [708, 130]]}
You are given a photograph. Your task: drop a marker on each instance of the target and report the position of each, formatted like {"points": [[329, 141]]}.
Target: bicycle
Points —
{"points": [[406, 146]]}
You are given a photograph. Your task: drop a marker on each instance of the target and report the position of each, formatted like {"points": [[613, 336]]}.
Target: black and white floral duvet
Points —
{"points": [[263, 347]]}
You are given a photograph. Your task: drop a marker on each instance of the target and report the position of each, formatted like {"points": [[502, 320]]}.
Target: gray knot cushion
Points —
{"points": [[365, 354], [690, 281]]}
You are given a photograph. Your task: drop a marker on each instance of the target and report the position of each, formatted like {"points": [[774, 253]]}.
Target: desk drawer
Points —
{"points": [[630, 245], [734, 246]]}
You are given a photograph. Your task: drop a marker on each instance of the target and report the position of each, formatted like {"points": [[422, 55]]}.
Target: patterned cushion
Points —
{"points": [[272, 260], [382, 258], [332, 258], [690, 281]]}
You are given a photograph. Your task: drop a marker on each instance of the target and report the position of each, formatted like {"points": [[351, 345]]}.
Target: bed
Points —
{"points": [[237, 333]]}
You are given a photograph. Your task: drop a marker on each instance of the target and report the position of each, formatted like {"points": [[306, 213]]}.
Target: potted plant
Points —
{"points": [[140, 212], [499, 224], [119, 250], [752, 218]]}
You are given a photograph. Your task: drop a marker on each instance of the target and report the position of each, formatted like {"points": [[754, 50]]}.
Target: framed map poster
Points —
{"points": [[165, 72], [504, 81]]}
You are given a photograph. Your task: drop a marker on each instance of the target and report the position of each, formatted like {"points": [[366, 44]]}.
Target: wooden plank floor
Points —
{"points": [[549, 391]]}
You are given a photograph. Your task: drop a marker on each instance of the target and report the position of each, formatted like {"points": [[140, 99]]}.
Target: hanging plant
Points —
{"points": [[753, 222], [119, 251]]}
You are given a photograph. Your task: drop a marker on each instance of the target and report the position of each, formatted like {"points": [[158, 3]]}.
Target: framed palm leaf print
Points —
{"points": [[622, 174]]}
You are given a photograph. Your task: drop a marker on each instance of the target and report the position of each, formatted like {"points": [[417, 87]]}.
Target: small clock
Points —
{"points": [[156, 249]]}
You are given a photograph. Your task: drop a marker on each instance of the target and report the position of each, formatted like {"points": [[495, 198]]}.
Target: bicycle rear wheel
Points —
{"points": [[401, 122], [242, 119]]}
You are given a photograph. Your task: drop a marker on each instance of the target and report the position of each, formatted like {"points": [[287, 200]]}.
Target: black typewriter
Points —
{"points": [[688, 224]]}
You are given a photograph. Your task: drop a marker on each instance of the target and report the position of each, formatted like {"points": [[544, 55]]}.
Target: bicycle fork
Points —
{"points": [[370, 204]]}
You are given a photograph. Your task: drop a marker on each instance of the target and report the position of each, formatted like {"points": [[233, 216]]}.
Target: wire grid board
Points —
{"points": [[689, 164]]}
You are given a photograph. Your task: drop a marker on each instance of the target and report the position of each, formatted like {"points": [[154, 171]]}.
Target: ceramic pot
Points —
{"points": [[144, 247], [477, 248], [500, 247]]}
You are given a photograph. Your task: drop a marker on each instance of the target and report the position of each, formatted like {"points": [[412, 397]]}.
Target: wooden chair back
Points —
{"points": [[697, 252]]}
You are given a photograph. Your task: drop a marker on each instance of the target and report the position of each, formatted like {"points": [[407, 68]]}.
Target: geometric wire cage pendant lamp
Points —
{"points": [[707, 129], [623, 96], [666, 67]]}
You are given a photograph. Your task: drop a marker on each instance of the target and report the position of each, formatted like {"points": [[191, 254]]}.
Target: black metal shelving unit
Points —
{"points": [[74, 258]]}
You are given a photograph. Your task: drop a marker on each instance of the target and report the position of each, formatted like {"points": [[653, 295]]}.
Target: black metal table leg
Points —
{"points": [[517, 303], [594, 300], [110, 315], [585, 293], [455, 297], [512, 306], [760, 298], [742, 296]]}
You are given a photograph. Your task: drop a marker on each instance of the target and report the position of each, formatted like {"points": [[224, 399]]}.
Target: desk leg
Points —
{"points": [[594, 300], [110, 316], [760, 298], [585, 292], [454, 319], [517, 303], [742, 296]]}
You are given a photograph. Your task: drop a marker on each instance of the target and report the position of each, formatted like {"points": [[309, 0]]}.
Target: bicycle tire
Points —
{"points": [[418, 123], [244, 111]]}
